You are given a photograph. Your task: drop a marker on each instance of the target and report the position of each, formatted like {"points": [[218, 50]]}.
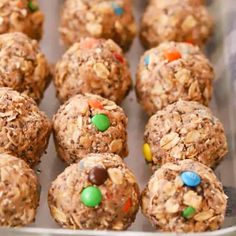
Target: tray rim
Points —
{"points": [[230, 231]]}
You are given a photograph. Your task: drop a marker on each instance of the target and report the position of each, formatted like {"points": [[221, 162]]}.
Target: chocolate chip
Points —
{"points": [[98, 175]]}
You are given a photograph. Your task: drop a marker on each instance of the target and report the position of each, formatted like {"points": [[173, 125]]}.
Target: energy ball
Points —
{"points": [[93, 66], [109, 19], [165, 3], [179, 21], [89, 124], [173, 71], [184, 130], [24, 129], [22, 65], [19, 192], [21, 16], [184, 197], [99, 192]]}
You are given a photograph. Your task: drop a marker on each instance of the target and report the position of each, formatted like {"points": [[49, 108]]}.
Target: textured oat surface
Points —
{"points": [[164, 3], [120, 187], [75, 135], [161, 82], [24, 129], [22, 65], [165, 198], [136, 118], [178, 21], [16, 16], [185, 130], [19, 192], [93, 66], [109, 19]]}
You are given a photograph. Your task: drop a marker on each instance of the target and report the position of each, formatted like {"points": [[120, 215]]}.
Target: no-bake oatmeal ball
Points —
{"points": [[184, 197], [24, 129], [180, 22], [93, 66], [19, 192], [21, 16], [22, 65], [173, 71], [99, 192], [89, 124], [109, 19], [164, 3], [184, 130]]}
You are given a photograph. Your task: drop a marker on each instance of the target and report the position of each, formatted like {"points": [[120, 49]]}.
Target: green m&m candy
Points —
{"points": [[189, 212], [33, 6], [91, 196], [101, 122]]}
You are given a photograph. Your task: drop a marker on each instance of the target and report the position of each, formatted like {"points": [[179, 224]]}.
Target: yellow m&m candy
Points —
{"points": [[147, 152]]}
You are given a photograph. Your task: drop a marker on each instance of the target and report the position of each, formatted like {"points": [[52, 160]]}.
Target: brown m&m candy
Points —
{"points": [[98, 175]]}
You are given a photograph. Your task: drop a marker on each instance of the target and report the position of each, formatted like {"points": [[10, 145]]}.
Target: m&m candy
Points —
{"points": [[95, 104], [147, 152], [117, 9], [147, 60], [190, 179], [127, 205], [188, 212], [172, 55], [98, 175], [32, 6], [118, 57], [101, 122], [91, 196]]}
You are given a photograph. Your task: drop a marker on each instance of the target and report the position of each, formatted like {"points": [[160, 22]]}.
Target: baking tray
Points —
{"points": [[223, 102]]}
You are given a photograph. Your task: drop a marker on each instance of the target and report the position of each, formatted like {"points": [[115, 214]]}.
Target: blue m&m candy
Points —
{"points": [[117, 9], [147, 60], [190, 179]]}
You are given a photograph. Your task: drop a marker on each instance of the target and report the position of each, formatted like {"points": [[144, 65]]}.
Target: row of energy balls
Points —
{"points": [[24, 129], [183, 140], [100, 192]]}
